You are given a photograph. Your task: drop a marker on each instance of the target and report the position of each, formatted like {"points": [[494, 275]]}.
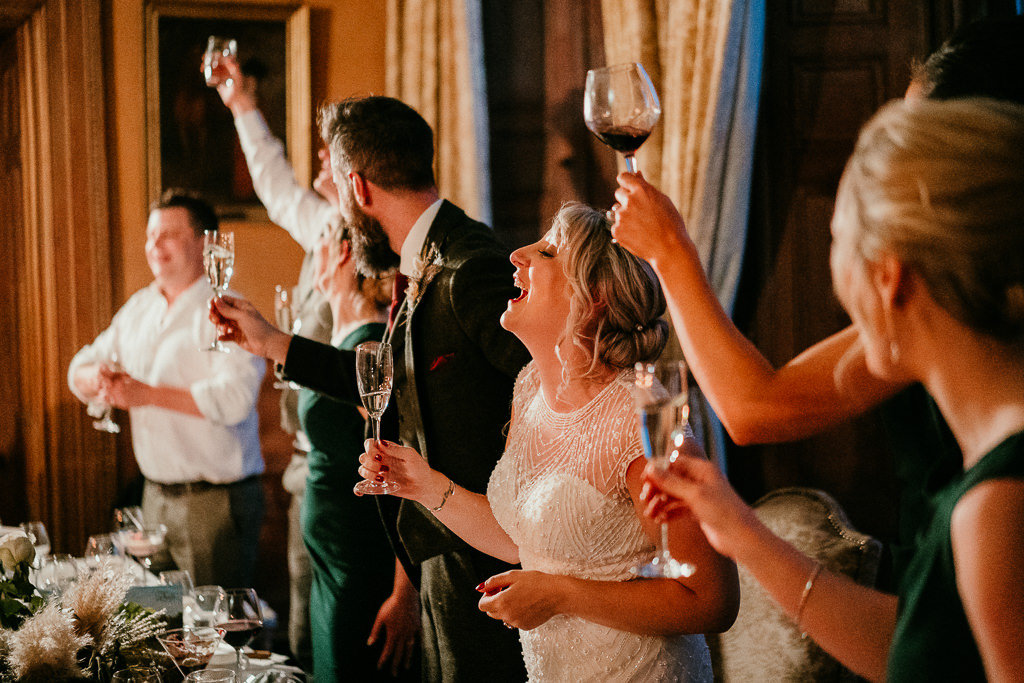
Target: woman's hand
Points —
{"points": [[522, 599], [405, 467], [696, 485], [238, 321], [646, 221]]}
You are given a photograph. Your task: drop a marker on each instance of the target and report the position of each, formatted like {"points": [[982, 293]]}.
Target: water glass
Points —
{"points": [[207, 606], [216, 49], [56, 574], [36, 533]]}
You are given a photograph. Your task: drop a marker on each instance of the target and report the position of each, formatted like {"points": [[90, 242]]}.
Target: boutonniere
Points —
{"points": [[424, 270]]}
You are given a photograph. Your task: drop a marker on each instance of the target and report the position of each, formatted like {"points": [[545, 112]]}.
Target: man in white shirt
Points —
{"points": [[195, 430]]}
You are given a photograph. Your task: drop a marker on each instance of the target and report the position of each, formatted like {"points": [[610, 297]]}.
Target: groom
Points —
{"points": [[454, 364]]}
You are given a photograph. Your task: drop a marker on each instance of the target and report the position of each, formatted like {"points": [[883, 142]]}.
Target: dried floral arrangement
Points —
{"points": [[85, 634]]}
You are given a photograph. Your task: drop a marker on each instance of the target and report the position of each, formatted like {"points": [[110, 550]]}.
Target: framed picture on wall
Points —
{"points": [[191, 137]]}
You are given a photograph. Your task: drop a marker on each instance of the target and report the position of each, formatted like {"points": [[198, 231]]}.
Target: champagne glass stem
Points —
{"points": [[631, 163], [376, 430]]}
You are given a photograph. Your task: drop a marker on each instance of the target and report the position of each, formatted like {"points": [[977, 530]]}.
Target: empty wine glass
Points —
{"points": [[621, 107], [211, 676], [242, 620], [36, 533], [56, 574], [137, 674], [104, 411], [191, 648], [374, 375], [219, 261], [98, 548], [143, 543], [206, 607], [661, 393], [217, 48]]}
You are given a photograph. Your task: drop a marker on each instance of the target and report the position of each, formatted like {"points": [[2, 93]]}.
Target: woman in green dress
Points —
{"points": [[928, 260], [364, 612]]}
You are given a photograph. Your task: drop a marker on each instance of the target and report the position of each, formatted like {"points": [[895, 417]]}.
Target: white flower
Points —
{"points": [[16, 548]]}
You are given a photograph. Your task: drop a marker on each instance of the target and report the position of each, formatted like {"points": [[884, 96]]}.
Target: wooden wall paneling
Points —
{"points": [[64, 295]]}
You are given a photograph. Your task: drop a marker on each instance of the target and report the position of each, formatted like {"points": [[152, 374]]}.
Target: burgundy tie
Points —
{"points": [[397, 296]]}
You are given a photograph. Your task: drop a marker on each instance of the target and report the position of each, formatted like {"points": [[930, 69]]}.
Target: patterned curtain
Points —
{"points": [[435, 65], [704, 57]]}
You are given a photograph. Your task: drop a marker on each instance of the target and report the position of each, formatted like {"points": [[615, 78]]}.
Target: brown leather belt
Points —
{"points": [[188, 487]]}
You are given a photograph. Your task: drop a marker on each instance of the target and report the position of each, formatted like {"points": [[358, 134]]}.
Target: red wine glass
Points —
{"points": [[621, 108], [241, 620]]}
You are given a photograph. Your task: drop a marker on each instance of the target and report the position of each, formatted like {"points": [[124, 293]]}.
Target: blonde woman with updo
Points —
{"points": [[928, 260], [563, 501]]}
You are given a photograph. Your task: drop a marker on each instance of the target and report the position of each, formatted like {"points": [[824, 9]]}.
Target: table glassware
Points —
{"points": [[98, 548], [36, 533], [621, 107], [143, 543], [211, 676], [137, 674], [375, 375], [178, 577], [217, 48], [206, 607], [219, 263], [191, 648], [242, 620], [661, 394], [102, 411], [284, 314], [129, 517], [56, 574]]}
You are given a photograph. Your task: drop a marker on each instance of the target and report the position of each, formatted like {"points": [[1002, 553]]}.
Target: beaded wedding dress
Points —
{"points": [[559, 491]]}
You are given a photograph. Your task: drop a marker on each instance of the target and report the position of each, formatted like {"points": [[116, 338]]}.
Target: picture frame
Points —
{"points": [[190, 134]]}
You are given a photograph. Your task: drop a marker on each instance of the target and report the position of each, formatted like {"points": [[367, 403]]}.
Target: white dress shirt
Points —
{"points": [[160, 345], [297, 209], [413, 244]]}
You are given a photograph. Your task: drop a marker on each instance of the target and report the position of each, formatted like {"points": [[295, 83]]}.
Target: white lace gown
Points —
{"points": [[559, 491]]}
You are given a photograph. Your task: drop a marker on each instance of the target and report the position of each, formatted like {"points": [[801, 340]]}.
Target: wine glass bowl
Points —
{"points": [[217, 48], [191, 648], [621, 108], [98, 548], [219, 264], [36, 532], [375, 375], [661, 395], [242, 620], [207, 607], [143, 543]]}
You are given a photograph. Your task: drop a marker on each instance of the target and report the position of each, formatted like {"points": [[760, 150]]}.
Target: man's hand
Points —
{"points": [[398, 621], [238, 321], [121, 390], [324, 181], [237, 91]]}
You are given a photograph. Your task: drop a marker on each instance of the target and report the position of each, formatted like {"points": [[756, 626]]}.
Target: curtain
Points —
{"points": [[705, 58], [435, 65]]}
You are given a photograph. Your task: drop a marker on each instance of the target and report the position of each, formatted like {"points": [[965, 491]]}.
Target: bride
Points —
{"points": [[563, 499]]}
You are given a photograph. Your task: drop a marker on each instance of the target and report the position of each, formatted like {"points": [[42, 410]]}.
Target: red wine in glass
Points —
{"points": [[239, 632], [621, 107]]}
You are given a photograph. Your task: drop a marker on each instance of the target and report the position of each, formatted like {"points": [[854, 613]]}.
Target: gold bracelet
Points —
{"points": [[444, 499], [805, 594]]}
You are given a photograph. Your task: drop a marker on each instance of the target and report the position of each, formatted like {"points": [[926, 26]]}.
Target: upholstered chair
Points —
{"points": [[764, 644]]}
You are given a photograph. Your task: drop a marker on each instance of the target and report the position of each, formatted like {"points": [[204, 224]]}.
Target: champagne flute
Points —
{"points": [[621, 107], [661, 392], [40, 540], [216, 49], [284, 314], [242, 620], [219, 261], [104, 411], [374, 375]]}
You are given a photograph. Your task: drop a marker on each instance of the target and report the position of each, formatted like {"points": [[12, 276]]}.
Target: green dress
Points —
{"points": [[933, 640], [352, 562]]}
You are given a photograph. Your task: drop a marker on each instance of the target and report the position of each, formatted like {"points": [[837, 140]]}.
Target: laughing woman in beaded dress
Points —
{"points": [[563, 499]]}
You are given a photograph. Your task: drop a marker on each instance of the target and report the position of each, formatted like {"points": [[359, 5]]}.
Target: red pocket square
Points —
{"points": [[441, 360]]}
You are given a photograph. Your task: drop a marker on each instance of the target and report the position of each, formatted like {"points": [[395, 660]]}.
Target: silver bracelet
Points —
{"points": [[444, 499], [803, 596]]}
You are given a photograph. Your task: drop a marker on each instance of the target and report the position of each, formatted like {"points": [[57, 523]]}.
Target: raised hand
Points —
{"points": [[697, 485], [238, 321], [237, 91], [647, 223], [405, 467]]}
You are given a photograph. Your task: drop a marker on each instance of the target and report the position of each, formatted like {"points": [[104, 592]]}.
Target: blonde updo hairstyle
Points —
{"points": [[616, 301], [940, 185]]}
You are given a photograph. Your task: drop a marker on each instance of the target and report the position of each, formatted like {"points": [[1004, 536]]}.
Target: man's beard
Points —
{"points": [[370, 247]]}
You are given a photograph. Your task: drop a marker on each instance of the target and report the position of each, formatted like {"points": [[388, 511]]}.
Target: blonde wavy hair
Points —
{"points": [[616, 302], [940, 186]]}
